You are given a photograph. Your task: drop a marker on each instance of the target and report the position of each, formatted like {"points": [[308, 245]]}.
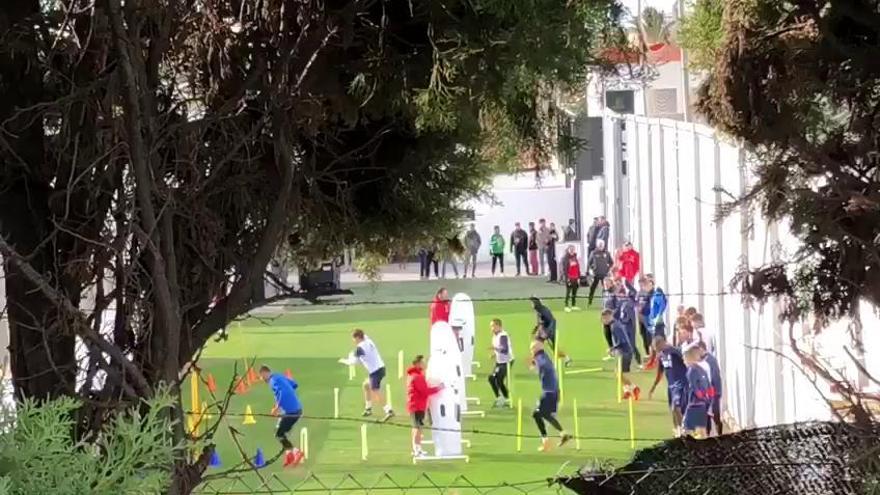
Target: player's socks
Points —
{"points": [[368, 411], [545, 445]]}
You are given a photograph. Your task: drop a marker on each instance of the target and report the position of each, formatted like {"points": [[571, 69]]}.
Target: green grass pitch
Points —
{"points": [[309, 340]]}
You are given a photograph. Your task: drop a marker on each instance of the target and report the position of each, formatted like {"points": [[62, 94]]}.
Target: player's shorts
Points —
{"points": [[626, 362], [548, 403], [696, 416], [285, 424], [677, 398], [659, 329], [418, 418], [376, 378]]}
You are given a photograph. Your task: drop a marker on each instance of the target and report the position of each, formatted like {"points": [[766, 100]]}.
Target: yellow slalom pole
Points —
{"points": [[399, 364], [561, 387], [632, 425], [619, 379], [577, 425], [519, 420], [336, 402], [509, 382], [351, 372], [364, 449], [388, 395], [195, 403], [304, 442]]}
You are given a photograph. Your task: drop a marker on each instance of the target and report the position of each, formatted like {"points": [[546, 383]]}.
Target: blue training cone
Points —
{"points": [[259, 460], [215, 459]]}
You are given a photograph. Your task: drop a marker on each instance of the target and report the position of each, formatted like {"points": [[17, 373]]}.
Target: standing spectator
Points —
{"points": [[448, 254], [591, 236], [603, 230], [703, 334], [599, 265], [646, 293], [571, 269], [543, 235], [569, 232], [533, 249], [519, 241], [628, 263], [472, 243], [424, 264], [440, 306], [433, 261], [715, 377], [496, 249], [552, 239]]}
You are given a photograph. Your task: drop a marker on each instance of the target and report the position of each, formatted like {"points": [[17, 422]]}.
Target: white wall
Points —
{"points": [[522, 199], [666, 203]]}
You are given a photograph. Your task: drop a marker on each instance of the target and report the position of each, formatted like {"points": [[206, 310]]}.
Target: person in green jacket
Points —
{"points": [[496, 249]]}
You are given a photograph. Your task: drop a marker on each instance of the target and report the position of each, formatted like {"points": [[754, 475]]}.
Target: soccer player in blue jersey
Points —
{"points": [[700, 394], [545, 331], [622, 348], [549, 400], [671, 365], [286, 400], [715, 376]]}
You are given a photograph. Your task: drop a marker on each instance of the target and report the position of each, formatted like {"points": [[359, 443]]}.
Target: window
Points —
{"points": [[621, 101]]}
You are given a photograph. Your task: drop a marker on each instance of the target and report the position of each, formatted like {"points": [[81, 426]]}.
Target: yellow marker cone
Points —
{"points": [[249, 418]]}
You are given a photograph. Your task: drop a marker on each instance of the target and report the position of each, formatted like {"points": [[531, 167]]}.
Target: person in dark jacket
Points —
{"points": [[472, 243], [609, 302], [519, 243], [548, 403], [533, 249], [627, 315], [418, 392], [599, 264], [603, 230], [591, 236], [552, 239]]}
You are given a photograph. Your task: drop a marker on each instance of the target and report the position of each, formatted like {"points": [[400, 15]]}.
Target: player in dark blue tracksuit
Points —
{"points": [[715, 406], [673, 367], [623, 348], [627, 315], [549, 401], [545, 331]]}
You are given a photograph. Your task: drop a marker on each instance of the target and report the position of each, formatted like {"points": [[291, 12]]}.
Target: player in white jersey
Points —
{"points": [[502, 348], [368, 354]]}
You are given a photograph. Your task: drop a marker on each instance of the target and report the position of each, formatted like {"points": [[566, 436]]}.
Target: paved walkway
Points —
{"points": [[395, 273]]}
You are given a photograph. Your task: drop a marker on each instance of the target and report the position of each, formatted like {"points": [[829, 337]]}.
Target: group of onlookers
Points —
{"points": [[533, 249]]}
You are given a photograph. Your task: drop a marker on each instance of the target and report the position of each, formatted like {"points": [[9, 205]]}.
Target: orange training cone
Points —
{"points": [[241, 386], [249, 418], [252, 376], [212, 385], [288, 374]]}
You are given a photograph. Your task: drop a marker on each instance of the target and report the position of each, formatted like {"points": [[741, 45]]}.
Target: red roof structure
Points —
{"points": [[658, 53]]}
